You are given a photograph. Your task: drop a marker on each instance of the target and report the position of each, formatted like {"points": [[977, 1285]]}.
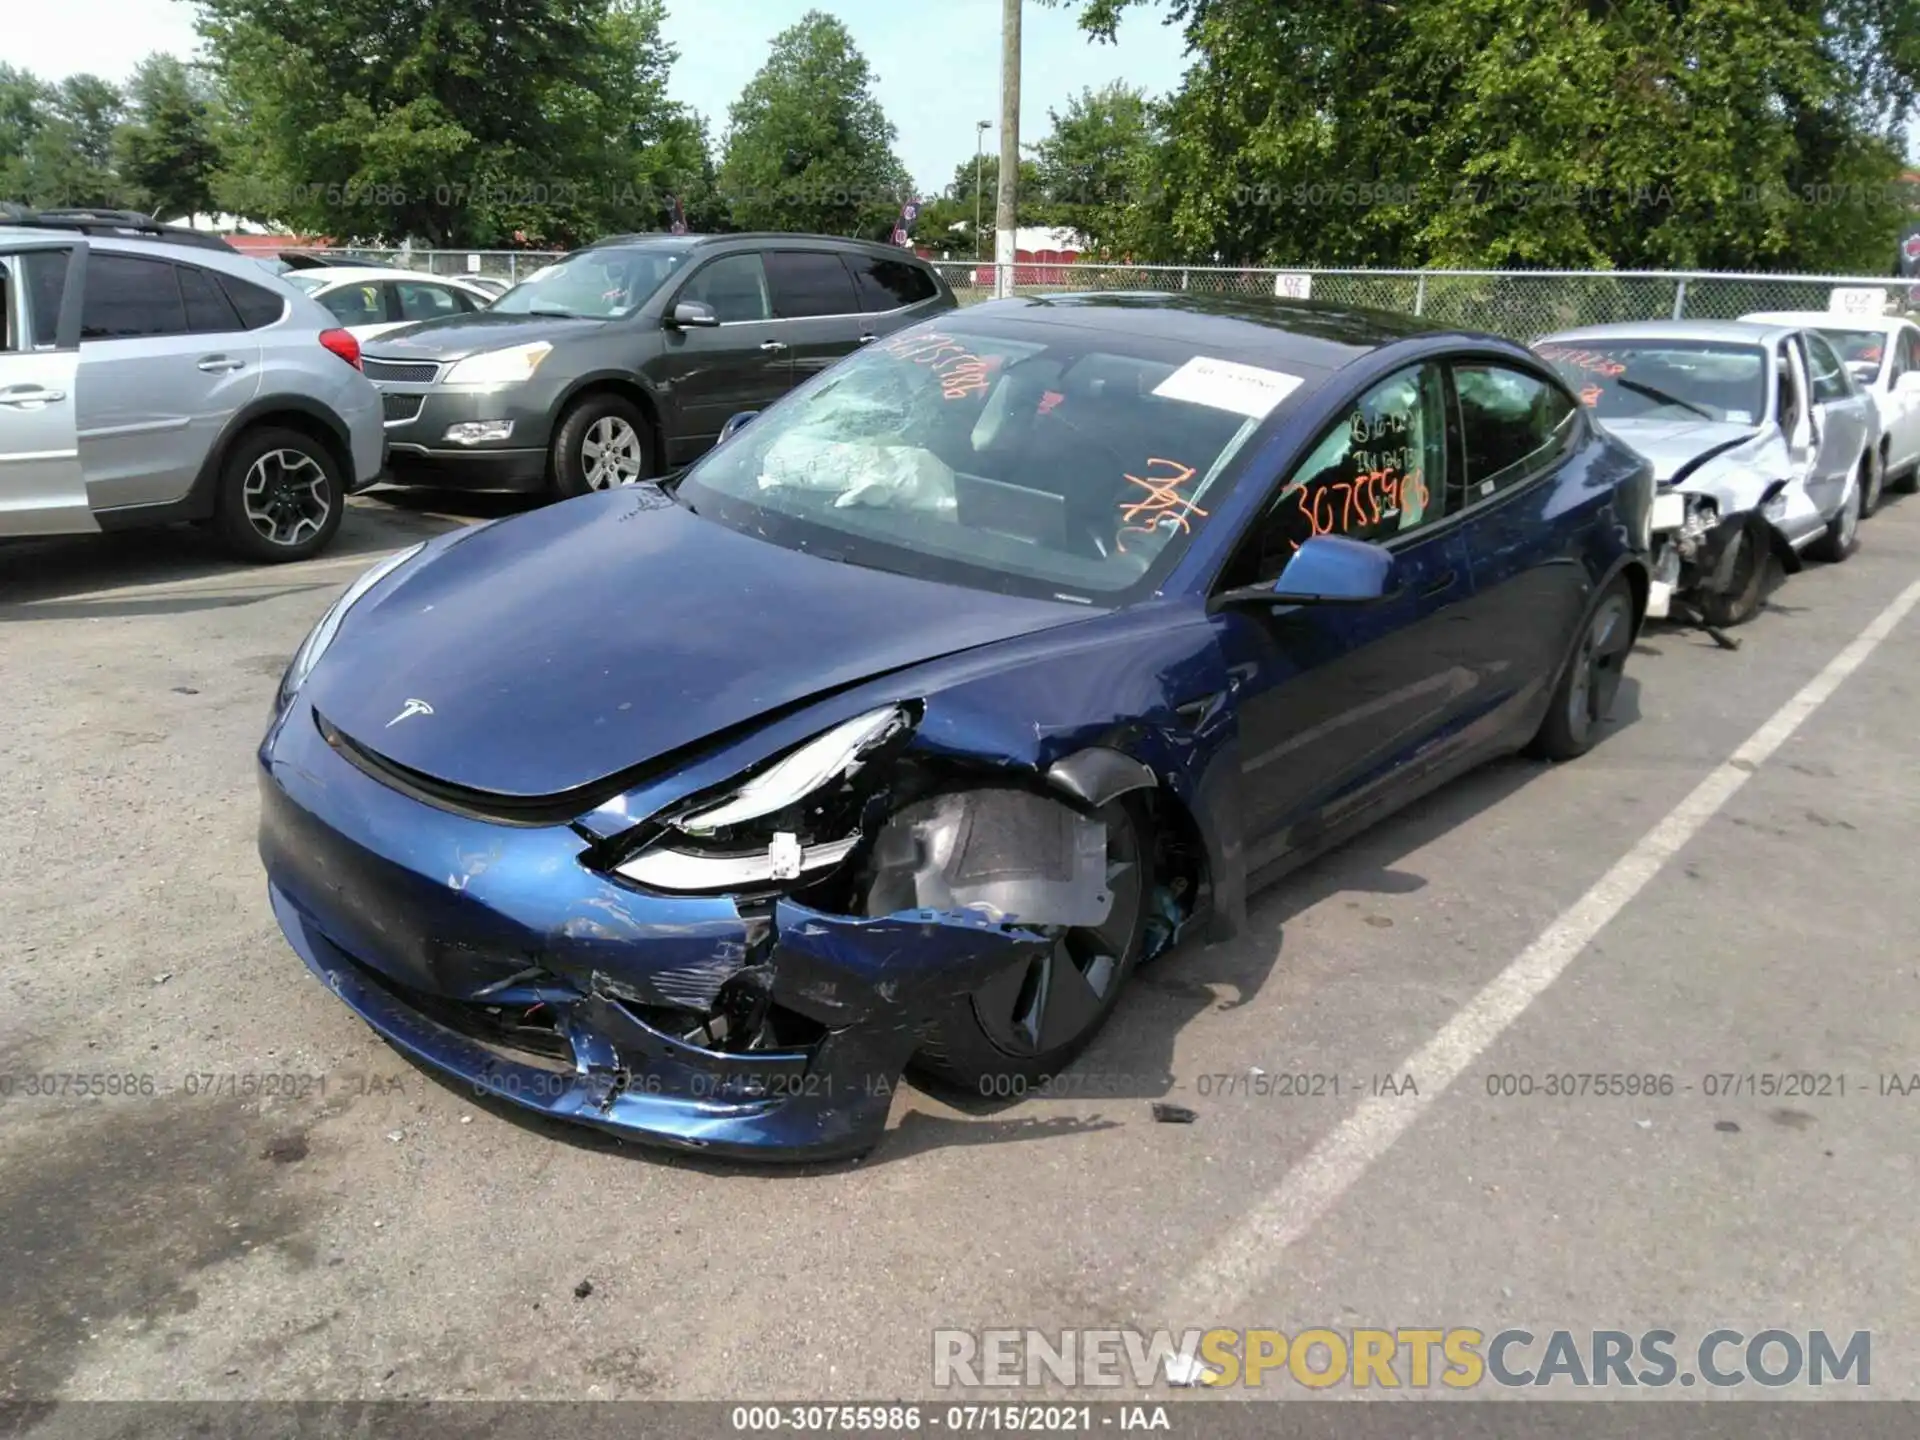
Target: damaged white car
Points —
{"points": [[1760, 441]]}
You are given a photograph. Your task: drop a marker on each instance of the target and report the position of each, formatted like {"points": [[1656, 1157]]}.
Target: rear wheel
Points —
{"points": [[1843, 531], [1031, 1020], [603, 443], [280, 496], [1584, 697]]}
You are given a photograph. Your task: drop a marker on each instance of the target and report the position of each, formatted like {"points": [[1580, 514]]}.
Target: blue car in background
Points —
{"points": [[933, 701]]}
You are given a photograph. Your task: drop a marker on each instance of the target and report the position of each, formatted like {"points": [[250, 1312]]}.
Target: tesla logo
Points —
{"points": [[409, 710]]}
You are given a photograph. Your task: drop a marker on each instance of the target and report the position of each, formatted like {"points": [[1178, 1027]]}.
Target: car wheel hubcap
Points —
{"points": [[610, 455], [286, 496], [1054, 999], [1599, 666]]}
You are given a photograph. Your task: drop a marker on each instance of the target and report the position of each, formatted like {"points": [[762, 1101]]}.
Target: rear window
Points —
{"points": [[810, 282], [129, 297], [889, 284], [257, 305], [208, 309]]}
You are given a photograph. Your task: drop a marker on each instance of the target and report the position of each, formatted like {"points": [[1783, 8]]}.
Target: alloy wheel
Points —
{"points": [[285, 496], [1599, 666], [610, 454], [1056, 998]]}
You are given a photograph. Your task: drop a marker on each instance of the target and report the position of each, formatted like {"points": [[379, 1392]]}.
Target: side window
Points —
{"points": [[363, 304], [889, 284], [810, 282], [735, 286], [1379, 472], [419, 301], [46, 277], [209, 312], [1829, 376], [257, 305], [1511, 425], [1910, 347], [129, 297]]}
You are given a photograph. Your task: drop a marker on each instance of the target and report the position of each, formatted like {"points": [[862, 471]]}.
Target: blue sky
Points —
{"points": [[936, 63]]}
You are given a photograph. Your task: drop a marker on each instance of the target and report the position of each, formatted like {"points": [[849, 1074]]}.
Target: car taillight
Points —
{"points": [[342, 343]]}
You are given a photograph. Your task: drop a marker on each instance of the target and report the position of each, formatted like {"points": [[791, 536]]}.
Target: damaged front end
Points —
{"points": [[744, 970], [1709, 555]]}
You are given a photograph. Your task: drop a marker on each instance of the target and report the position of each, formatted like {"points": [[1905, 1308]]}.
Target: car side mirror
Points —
{"points": [[1326, 570], [734, 423], [693, 315]]}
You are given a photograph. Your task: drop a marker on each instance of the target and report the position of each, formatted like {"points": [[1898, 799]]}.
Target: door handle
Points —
{"points": [[1439, 583], [22, 396], [868, 339], [773, 346], [220, 364]]}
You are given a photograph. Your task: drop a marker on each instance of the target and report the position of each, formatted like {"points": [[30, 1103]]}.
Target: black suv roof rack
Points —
{"points": [[129, 224]]}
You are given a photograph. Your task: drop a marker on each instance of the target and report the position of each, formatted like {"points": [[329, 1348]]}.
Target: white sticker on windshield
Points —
{"points": [[1739, 417], [1227, 385]]}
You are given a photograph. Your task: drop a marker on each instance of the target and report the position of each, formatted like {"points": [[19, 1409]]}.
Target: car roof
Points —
{"points": [[1731, 332], [1826, 320], [666, 239], [113, 225], [1310, 335]]}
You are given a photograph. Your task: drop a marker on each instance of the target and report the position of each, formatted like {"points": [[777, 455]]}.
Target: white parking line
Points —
{"points": [[1235, 1268]]}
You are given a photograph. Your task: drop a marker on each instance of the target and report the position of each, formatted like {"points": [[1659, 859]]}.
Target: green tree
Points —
{"points": [[1097, 161], [955, 206], [67, 157], [1633, 133], [167, 148], [25, 103], [807, 145], [455, 122]]}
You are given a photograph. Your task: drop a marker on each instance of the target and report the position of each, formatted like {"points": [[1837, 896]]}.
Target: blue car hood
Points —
{"points": [[567, 645]]}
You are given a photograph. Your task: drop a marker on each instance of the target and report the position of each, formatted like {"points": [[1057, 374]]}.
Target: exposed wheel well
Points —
{"points": [[656, 440], [1639, 583]]}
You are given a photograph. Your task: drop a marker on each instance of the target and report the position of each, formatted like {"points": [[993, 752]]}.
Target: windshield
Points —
{"points": [[1664, 379], [599, 284], [1037, 465], [1862, 351]]}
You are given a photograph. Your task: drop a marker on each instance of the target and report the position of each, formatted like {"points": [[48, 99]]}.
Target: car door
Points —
{"points": [[715, 372], [42, 491], [1802, 514], [157, 392], [1844, 416], [813, 292], [1902, 402], [1343, 707], [1526, 529]]}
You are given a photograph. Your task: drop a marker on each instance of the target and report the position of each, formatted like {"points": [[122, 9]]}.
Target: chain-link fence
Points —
{"points": [[1523, 304]]}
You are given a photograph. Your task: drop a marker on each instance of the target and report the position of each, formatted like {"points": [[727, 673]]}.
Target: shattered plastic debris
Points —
{"points": [[583, 1289], [1173, 1114]]}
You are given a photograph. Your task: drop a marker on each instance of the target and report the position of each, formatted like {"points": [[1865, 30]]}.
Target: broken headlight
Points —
{"points": [[321, 636], [796, 817]]}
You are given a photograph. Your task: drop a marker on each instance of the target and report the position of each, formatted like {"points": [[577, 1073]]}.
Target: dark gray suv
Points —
{"points": [[624, 360]]}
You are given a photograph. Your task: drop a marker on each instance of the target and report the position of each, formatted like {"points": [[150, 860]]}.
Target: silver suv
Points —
{"points": [[149, 375]]}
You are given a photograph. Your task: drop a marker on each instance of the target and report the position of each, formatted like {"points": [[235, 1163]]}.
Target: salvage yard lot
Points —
{"points": [[364, 1230]]}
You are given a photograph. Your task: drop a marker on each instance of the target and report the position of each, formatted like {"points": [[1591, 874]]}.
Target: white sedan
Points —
{"points": [[1883, 352], [371, 300]]}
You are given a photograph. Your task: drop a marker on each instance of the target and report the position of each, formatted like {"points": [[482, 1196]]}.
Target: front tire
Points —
{"points": [[280, 496], [1584, 697], [1741, 602], [1873, 479], [1030, 1022], [603, 443]]}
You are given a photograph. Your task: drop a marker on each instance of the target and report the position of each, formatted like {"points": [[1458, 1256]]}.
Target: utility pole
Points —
{"points": [[980, 128], [1006, 221]]}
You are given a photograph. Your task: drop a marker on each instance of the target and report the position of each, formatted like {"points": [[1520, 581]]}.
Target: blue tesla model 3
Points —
{"points": [[907, 723]]}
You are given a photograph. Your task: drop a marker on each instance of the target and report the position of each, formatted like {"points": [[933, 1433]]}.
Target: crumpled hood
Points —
{"points": [[582, 639], [455, 337], [1672, 445]]}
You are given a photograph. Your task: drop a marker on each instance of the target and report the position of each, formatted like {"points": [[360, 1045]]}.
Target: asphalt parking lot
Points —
{"points": [[368, 1231]]}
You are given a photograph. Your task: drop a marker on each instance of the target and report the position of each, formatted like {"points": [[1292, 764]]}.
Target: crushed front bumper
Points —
{"points": [[1689, 554], [491, 953]]}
